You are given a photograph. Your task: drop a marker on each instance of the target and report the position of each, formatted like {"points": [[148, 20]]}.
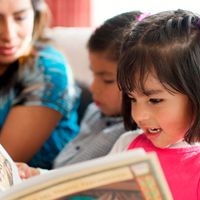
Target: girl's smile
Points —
{"points": [[152, 133]]}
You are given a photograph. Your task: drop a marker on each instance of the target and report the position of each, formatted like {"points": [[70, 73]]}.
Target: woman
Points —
{"points": [[37, 92]]}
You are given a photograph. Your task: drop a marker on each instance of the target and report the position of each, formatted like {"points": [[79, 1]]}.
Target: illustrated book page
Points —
{"points": [[128, 175], [8, 171]]}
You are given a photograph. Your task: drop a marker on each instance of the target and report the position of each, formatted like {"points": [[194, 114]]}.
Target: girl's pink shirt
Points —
{"points": [[181, 167]]}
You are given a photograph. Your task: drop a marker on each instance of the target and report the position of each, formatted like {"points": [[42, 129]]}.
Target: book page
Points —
{"points": [[129, 175], [8, 171]]}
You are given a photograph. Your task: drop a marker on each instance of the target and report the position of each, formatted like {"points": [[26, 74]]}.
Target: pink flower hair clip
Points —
{"points": [[198, 22], [142, 16]]}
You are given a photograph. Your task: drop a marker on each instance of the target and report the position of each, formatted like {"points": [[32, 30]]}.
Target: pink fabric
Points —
{"points": [[181, 167]]}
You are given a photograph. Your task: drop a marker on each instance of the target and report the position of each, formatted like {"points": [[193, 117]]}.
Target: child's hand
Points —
{"points": [[25, 171]]}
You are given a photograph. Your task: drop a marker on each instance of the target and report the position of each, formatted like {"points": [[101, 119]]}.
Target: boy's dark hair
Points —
{"points": [[108, 37], [167, 44]]}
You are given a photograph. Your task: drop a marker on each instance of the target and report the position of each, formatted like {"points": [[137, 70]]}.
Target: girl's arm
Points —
{"points": [[26, 129]]}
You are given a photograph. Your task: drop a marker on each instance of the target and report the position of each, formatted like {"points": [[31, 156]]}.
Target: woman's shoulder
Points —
{"points": [[49, 75], [48, 52], [53, 64]]}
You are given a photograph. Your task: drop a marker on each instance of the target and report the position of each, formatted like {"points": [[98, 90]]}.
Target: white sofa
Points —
{"points": [[72, 43]]}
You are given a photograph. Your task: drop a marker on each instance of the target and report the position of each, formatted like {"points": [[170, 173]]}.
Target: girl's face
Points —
{"points": [[16, 28], [105, 91], [163, 116]]}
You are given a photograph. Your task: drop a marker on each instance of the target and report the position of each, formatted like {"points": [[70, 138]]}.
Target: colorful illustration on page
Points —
{"points": [[6, 176]]}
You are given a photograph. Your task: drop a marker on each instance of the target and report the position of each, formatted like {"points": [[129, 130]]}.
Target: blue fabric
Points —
{"points": [[47, 83]]}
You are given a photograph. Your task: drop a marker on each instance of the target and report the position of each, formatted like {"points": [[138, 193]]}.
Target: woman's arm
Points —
{"points": [[26, 129]]}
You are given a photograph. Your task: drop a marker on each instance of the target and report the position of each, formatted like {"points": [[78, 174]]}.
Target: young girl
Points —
{"points": [[159, 75], [37, 92]]}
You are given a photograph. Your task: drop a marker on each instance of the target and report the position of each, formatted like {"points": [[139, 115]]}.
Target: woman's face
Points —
{"points": [[16, 28]]}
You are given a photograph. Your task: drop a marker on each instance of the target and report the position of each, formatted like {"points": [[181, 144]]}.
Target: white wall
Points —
{"points": [[104, 9]]}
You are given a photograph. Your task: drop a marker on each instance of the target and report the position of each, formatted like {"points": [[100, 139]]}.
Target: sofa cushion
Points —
{"points": [[72, 43]]}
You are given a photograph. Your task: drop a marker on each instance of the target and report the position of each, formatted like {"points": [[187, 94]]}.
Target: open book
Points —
{"points": [[8, 171], [131, 175]]}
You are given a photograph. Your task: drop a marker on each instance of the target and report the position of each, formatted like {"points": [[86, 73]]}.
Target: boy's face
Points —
{"points": [[163, 116], [105, 91]]}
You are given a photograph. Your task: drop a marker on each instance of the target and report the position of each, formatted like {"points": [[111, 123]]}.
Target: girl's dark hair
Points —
{"points": [[167, 44], [108, 37]]}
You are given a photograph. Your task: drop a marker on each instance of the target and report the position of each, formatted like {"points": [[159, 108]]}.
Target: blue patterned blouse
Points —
{"points": [[49, 82]]}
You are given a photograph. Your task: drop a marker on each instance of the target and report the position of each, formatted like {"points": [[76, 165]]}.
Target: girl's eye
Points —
{"points": [[155, 101]]}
